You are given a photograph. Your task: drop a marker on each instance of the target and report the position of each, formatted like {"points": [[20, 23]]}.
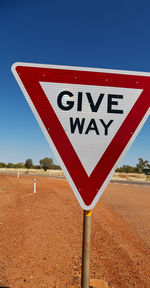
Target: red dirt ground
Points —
{"points": [[41, 235]]}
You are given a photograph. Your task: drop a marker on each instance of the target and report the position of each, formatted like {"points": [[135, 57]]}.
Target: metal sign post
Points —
{"points": [[86, 249]]}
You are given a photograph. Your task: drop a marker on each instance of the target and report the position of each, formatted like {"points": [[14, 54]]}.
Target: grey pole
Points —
{"points": [[85, 276]]}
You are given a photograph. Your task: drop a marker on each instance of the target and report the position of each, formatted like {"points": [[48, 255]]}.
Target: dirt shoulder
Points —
{"points": [[41, 235]]}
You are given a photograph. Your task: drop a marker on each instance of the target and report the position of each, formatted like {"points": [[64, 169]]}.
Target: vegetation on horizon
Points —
{"points": [[142, 164], [46, 163]]}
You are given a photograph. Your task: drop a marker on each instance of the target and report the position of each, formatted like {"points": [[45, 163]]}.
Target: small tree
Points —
{"points": [[46, 163], [142, 164], [28, 163], [10, 165], [3, 165]]}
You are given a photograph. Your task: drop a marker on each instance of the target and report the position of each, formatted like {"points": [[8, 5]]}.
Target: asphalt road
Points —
{"points": [[142, 183], [130, 182]]}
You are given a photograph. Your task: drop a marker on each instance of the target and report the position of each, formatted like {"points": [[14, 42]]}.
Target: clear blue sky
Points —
{"points": [[104, 34]]}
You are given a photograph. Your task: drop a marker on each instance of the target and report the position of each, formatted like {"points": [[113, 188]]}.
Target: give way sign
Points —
{"points": [[90, 118]]}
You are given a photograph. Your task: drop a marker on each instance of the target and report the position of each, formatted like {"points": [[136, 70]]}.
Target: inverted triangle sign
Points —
{"points": [[90, 118]]}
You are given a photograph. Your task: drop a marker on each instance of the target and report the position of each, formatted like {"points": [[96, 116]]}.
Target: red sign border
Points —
{"points": [[87, 186]]}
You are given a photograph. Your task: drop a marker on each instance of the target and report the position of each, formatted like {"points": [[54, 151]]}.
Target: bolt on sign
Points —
{"points": [[89, 116]]}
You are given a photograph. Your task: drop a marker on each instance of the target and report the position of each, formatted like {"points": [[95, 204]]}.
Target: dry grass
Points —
{"points": [[33, 171], [130, 176], [117, 176]]}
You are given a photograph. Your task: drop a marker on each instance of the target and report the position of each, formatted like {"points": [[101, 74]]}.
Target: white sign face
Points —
{"points": [[90, 118]]}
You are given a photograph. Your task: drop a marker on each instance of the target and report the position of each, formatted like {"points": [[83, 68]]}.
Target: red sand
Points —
{"points": [[41, 235]]}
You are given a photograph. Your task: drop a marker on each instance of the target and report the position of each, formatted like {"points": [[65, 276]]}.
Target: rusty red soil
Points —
{"points": [[41, 235]]}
